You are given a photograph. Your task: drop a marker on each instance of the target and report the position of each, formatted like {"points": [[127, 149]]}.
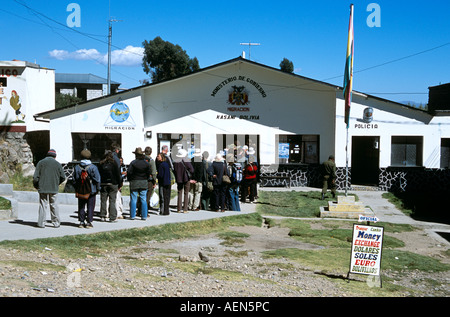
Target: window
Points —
{"points": [[176, 141], [298, 148], [3, 82], [97, 143], [445, 153], [406, 150], [242, 145]]}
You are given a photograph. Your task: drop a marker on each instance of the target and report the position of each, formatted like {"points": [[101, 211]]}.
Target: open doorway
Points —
{"points": [[365, 160]]}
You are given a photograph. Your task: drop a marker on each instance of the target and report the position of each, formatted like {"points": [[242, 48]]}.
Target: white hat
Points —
{"points": [[181, 153], [251, 151]]}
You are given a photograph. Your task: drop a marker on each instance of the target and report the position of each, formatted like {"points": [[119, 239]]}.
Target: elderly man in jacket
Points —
{"points": [[47, 177]]}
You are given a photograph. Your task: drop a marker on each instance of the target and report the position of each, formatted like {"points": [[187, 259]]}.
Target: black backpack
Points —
{"points": [[83, 185], [236, 173]]}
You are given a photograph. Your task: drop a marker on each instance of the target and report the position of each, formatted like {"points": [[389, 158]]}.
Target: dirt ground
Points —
{"points": [[203, 266]]}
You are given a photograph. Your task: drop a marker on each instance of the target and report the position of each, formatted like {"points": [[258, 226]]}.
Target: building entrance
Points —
{"points": [[365, 160]]}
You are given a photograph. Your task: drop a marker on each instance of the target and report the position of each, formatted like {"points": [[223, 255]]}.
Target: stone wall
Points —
{"points": [[391, 179], [415, 179], [15, 155]]}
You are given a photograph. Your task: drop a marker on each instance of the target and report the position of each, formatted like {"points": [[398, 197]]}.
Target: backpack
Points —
{"points": [[83, 184], [236, 173], [107, 172]]}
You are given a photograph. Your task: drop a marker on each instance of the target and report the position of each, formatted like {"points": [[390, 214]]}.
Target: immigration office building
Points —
{"points": [[291, 123]]}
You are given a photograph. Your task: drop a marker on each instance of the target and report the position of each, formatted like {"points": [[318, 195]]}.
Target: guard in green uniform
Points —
{"points": [[329, 176]]}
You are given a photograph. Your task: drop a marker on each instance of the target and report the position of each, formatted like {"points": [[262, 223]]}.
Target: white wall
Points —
{"points": [[35, 87], [290, 103], [95, 117], [390, 119]]}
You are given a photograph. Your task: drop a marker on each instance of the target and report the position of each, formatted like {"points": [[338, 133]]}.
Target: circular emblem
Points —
{"points": [[120, 112]]}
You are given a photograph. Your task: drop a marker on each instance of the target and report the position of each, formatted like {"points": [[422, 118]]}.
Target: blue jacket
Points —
{"points": [[92, 172], [164, 173]]}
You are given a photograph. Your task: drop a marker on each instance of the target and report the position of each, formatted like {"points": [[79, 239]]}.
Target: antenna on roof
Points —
{"points": [[250, 44]]}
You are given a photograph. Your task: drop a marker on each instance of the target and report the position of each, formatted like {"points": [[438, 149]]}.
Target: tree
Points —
{"points": [[287, 66], [164, 60], [64, 100]]}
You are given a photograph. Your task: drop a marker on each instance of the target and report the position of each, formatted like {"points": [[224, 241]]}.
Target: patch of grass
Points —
{"points": [[5, 204], [79, 246], [34, 266], [21, 182], [330, 259], [338, 260], [336, 236], [237, 254], [232, 237], [407, 261], [291, 204], [337, 246]]}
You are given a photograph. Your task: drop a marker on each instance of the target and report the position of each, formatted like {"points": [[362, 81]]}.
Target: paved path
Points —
{"points": [[24, 227]]}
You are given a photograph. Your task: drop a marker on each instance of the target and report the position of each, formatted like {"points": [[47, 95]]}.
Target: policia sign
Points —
{"points": [[367, 245]]}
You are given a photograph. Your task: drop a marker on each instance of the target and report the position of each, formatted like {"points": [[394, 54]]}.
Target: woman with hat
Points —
{"points": [[138, 174], [196, 186], [183, 174], [216, 170], [89, 204]]}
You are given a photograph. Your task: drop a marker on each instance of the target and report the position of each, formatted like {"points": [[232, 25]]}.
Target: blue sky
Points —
{"points": [[407, 53]]}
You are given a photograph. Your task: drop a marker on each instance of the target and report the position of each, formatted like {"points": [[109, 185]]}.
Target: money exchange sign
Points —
{"points": [[367, 244]]}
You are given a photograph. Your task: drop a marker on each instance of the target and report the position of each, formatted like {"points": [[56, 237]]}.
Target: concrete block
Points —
{"points": [[355, 207], [325, 213], [345, 200]]}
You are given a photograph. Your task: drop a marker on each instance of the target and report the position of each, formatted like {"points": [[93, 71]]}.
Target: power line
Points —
{"points": [[73, 29], [392, 61]]}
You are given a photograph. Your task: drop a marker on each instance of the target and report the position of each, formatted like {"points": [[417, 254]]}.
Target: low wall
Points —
{"points": [[392, 179], [6, 191]]}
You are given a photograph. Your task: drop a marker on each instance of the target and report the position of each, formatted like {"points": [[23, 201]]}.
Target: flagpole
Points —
{"points": [[346, 165], [348, 83]]}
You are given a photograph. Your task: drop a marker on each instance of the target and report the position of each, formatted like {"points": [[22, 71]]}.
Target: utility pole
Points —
{"points": [[249, 46], [109, 53]]}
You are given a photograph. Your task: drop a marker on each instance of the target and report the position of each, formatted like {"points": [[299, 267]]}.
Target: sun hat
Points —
{"points": [[138, 151]]}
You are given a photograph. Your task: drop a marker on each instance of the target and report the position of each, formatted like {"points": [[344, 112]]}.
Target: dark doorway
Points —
{"points": [[365, 160]]}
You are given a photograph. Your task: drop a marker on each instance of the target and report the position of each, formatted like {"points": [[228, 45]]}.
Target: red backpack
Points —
{"points": [[83, 185]]}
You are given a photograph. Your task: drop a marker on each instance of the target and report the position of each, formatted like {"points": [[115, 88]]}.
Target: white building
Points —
{"points": [[25, 89], [292, 122]]}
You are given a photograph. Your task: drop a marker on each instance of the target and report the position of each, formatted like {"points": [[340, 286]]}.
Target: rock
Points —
{"points": [[203, 257]]}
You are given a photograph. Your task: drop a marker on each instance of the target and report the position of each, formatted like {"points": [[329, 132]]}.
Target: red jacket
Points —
{"points": [[250, 171]]}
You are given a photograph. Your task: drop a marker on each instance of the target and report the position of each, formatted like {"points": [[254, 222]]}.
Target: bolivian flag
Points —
{"points": [[348, 74]]}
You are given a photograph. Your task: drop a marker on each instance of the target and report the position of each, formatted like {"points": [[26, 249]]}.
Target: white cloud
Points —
{"points": [[130, 56]]}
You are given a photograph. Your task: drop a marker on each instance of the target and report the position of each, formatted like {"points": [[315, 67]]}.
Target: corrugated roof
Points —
{"points": [[67, 78]]}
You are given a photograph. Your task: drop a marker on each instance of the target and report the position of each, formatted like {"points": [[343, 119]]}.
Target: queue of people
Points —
{"points": [[217, 185]]}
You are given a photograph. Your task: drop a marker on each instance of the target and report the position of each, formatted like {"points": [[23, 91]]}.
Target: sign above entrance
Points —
{"points": [[239, 78], [238, 94]]}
